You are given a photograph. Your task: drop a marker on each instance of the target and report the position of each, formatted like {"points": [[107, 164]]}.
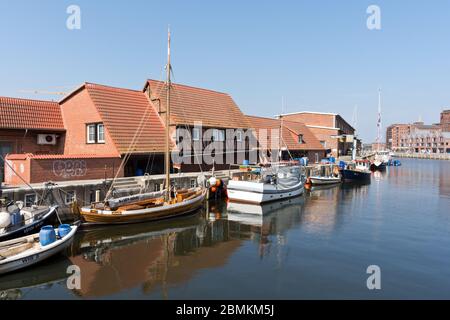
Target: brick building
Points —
{"points": [[394, 134], [333, 132], [445, 120], [208, 116], [418, 137], [30, 126], [95, 127], [295, 139]]}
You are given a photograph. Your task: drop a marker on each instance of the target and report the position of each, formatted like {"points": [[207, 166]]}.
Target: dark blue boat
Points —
{"points": [[349, 175], [380, 167], [33, 226]]}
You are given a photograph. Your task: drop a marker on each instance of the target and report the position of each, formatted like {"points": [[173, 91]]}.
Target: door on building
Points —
{"points": [[5, 148]]}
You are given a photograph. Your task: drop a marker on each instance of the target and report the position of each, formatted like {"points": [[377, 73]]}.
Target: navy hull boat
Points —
{"points": [[18, 221], [356, 172]]}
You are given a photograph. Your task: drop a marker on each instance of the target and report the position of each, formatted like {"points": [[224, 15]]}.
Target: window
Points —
{"points": [[90, 133], [195, 134], [30, 199], [100, 133], [95, 133], [218, 135], [69, 197], [300, 138], [239, 136], [157, 187], [193, 183], [323, 143]]}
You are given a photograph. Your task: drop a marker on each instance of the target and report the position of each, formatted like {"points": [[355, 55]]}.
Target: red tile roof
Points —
{"points": [[16, 113], [123, 111], [190, 104], [25, 156], [290, 132]]}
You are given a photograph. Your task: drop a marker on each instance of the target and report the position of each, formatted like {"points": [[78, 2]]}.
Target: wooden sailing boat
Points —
{"points": [[150, 206]]}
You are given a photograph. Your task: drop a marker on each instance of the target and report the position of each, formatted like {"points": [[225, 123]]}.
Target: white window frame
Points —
{"points": [[29, 195], [67, 194], [239, 136], [195, 134], [98, 133], [193, 183], [88, 134], [219, 135]]}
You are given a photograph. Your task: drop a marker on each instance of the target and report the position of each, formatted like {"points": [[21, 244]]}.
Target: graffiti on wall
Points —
{"points": [[69, 168]]}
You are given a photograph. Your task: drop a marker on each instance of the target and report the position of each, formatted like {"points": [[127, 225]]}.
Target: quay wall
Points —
{"points": [[433, 156], [86, 191]]}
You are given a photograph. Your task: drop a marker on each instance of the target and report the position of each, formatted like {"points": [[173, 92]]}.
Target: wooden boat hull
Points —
{"points": [[144, 215], [355, 175], [31, 228], [33, 256]]}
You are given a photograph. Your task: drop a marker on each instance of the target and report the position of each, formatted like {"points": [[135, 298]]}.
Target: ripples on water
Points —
{"points": [[316, 246]]}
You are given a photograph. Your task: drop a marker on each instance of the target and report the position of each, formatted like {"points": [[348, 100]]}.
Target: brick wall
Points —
{"points": [[23, 141], [78, 111], [43, 170]]}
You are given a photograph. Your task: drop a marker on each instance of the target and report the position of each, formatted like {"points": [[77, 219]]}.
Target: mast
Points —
{"points": [[167, 154], [379, 121]]}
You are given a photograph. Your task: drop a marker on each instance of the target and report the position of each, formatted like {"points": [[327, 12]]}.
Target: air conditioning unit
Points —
{"points": [[46, 139]]}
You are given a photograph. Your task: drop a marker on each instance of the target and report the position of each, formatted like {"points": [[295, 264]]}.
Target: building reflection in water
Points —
{"points": [[160, 255]]}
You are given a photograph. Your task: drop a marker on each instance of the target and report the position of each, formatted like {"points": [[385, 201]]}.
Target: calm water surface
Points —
{"points": [[317, 246]]}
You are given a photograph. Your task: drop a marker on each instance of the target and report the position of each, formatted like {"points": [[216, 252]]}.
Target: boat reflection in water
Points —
{"points": [[43, 276], [265, 224], [149, 256]]}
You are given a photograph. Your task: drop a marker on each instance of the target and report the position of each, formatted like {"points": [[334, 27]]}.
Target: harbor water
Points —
{"points": [[318, 246]]}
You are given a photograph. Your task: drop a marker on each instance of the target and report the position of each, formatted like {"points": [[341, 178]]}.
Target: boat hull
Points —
{"points": [[31, 228], [261, 195], [378, 167], [144, 215], [324, 181], [355, 176], [25, 260]]}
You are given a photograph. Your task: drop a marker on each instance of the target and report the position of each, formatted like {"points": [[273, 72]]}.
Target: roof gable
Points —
{"points": [[190, 105], [123, 112]]}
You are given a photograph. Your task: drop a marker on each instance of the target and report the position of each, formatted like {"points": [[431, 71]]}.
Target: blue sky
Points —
{"points": [[318, 55]]}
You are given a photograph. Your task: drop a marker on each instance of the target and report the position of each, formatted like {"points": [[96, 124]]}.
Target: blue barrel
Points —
{"points": [[47, 235], [246, 162], [342, 164], [16, 218], [63, 230], [332, 159]]}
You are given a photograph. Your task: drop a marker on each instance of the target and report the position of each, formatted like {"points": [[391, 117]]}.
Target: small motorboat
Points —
{"points": [[279, 181], [19, 221], [26, 251], [318, 180]]}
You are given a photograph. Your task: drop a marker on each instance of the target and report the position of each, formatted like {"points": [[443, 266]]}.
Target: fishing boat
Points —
{"points": [[19, 221], [26, 251], [149, 206], [279, 181], [356, 171]]}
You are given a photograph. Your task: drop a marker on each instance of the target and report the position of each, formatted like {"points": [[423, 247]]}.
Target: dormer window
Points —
{"points": [[300, 139], [95, 133]]}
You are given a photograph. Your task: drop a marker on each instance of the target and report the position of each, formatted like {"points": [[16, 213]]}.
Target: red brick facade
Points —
{"points": [[36, 169]]}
